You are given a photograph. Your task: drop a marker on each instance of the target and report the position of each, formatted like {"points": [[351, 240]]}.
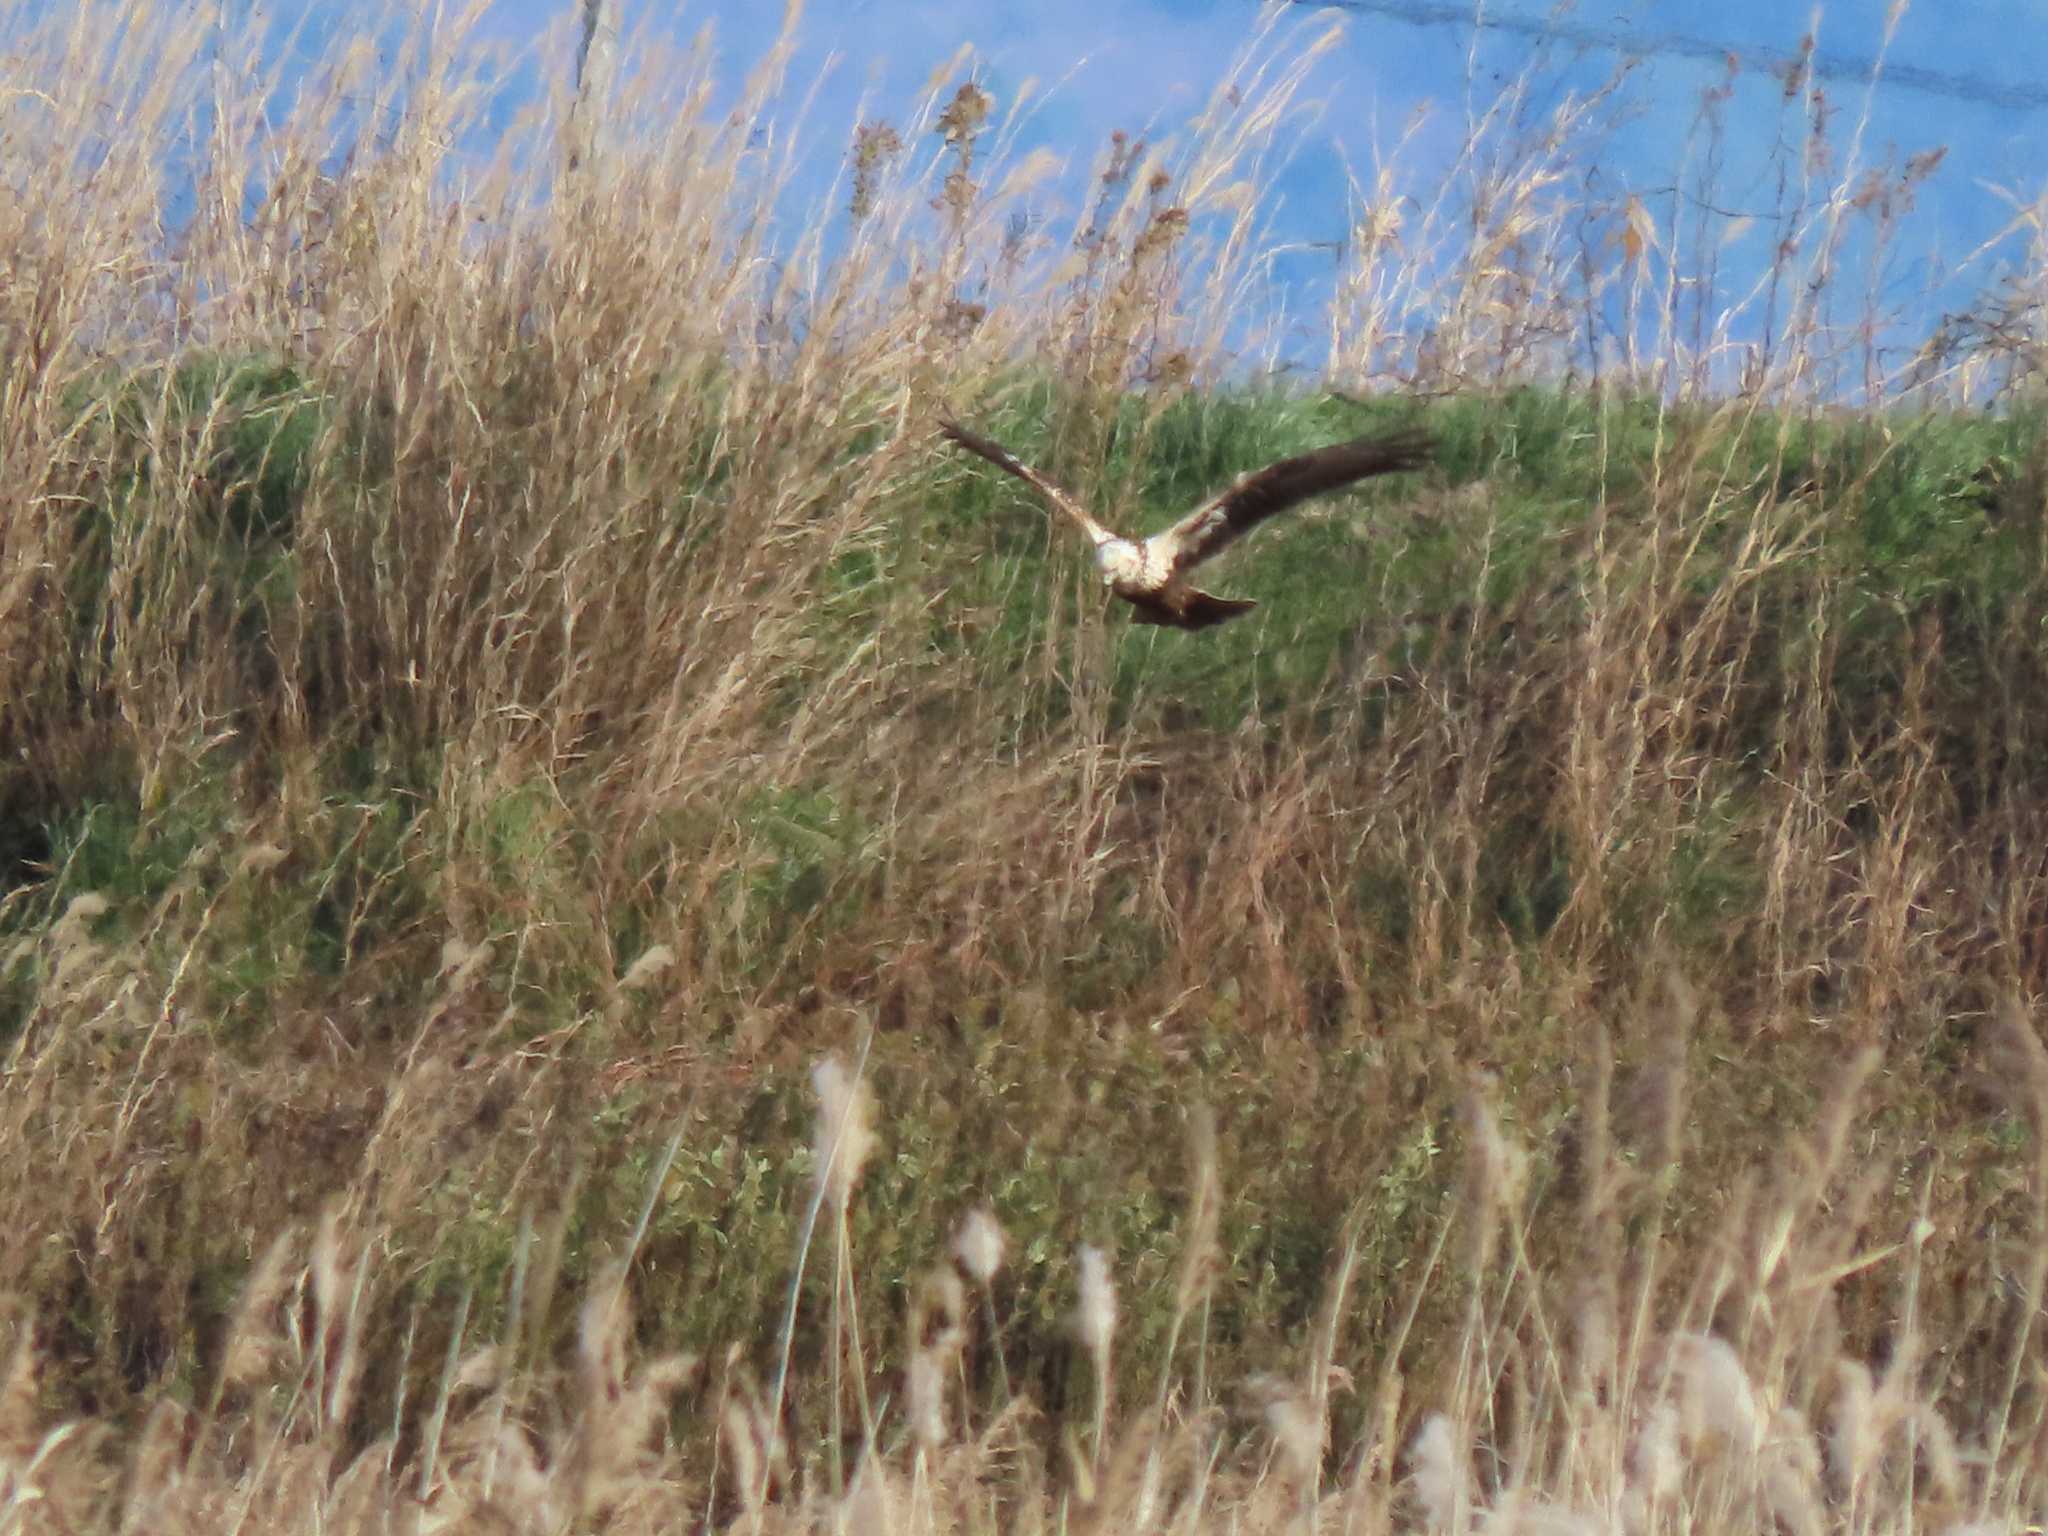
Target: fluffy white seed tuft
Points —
{"points": [[925, 1386], [843, 1138], [1291, 1418], [1717, 1406], [1095, 1309], [978, 1245], [1854, 1440], [1434, 1469]]}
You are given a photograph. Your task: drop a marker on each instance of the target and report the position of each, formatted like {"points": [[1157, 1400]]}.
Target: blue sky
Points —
{"points": [[1968, 76], [1972, 78]]}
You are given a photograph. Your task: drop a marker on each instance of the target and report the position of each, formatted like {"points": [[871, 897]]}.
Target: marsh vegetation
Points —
{"points": [[597, 934]]}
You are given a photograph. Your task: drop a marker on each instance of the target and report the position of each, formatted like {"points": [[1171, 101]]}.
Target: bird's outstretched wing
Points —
{"points": [[1004, 460], [1253, 498]]}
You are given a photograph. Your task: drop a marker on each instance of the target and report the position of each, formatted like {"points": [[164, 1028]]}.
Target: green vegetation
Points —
{"points": [[505, 716]]}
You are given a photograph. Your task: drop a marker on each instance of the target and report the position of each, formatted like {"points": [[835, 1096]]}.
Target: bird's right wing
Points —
{"points": [[1253, 498], [1008, 462]]}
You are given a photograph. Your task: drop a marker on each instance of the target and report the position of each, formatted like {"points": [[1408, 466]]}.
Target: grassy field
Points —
{"points": [[597, 932]]}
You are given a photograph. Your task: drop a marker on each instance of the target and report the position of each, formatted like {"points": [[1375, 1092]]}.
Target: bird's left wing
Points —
{"points": [[1253, 498], [1007, 461]]}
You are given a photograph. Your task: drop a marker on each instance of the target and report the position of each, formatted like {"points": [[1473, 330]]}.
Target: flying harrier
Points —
{"points": [[1151, 574]]}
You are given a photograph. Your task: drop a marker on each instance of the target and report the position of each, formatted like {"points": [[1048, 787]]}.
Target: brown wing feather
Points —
{"points": [[1255, 497], [1202, 609], [1008, 462]]}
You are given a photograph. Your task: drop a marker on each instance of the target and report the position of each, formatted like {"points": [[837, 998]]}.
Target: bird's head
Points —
{"points": [[1120, 560]]}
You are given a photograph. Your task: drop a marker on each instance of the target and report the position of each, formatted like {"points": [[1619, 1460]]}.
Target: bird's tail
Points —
{"points": [[1203, 609]]}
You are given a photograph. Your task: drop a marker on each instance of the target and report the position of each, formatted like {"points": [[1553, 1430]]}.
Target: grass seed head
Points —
{"points": [[18, 1390], [842, 1139], [653, 961], [1520, 1514], [872, 1506], [1791, 1474], [1095, 1301], [253, 1339], [1655, 1463], [158, 1465], [1298, 1430], [1940, 1451], [978, 1245], [1438, 1475], [1496, 1169], [1854, 1438], [1717, 1406], [925, 1387]]}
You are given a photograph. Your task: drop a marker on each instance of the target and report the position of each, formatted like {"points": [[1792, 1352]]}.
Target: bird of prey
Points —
{"points": [[1151, 574]]}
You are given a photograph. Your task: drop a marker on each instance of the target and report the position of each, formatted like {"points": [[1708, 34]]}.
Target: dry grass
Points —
{"points": [[1662, 1385], [502, 682]]}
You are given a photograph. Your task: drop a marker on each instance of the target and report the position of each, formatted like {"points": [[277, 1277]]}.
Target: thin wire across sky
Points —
{"points": [[1630, 42]]}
